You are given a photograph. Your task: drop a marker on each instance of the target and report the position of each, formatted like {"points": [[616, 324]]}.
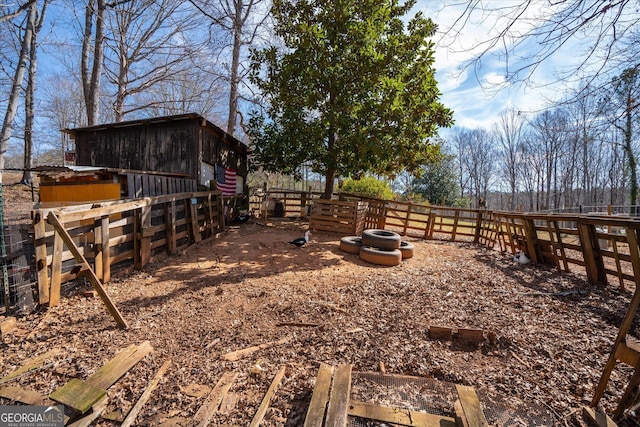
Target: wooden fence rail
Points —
{"points": [[293, 203], [120, 235], [605, 246]]}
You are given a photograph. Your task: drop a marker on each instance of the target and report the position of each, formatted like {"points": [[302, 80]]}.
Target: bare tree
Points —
{"points": [[552, 130], [524, 35], [584, 115], [509, 135], [12, 104], [151, 41], [476, 157], [63, 108], [10, 14], [29, 103], [242, 20], [189, 91], [92, 58]]}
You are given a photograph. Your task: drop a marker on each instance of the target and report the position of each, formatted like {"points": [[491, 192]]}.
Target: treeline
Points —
{"points": [[580, 152]]}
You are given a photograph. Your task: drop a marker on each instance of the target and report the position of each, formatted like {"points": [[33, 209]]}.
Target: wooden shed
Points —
{"points": [[187, 145]]}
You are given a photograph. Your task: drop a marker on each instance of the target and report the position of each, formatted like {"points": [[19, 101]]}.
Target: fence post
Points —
{"points": [[142, 251], [3, 250], [454, 231], [40, 243], [406, 221], [106, 249], [193, 213], [170, 224], [476, 238], [56, 270], [533, 244], [591, 252]]}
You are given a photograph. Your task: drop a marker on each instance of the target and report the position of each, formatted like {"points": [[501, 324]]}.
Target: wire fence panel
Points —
{"points": [[18, 263]]}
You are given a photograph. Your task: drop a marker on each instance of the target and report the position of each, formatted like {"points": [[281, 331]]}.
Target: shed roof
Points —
{"points": [[231, 140]]}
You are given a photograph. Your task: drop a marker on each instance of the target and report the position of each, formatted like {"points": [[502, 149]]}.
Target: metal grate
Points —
{"points": [[437, 398], [18, 264]]}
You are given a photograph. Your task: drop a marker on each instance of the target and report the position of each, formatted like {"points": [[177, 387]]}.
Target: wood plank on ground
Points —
{"points": [[338, 407], [8, 325], [115, 368], [598, 417], [131, 417], [96, 411], [214, 399], [473, 336], [461, 421], [266, 401], [401, 416], [239, 354], [319, 399], [440, 333], [18, 394], [30, 365], [78, 395], [471, 406]]}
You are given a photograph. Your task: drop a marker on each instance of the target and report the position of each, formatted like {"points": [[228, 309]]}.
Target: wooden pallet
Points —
{"points": [[331, 405]]}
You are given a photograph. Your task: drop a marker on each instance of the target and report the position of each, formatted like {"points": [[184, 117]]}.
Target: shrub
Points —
{"points": [[369, 187]]}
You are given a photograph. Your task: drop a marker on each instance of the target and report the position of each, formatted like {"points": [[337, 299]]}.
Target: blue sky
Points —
{"points": [[474, 96]]}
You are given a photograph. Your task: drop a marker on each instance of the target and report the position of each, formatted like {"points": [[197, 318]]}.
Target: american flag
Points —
{"points": [[226, 180]]}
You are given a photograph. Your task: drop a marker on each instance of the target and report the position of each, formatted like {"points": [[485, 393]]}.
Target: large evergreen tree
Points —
{"points": [[438, 181], [352, 90]]}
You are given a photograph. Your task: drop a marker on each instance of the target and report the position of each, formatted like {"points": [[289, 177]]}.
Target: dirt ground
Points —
{"points": [[547, 335]]}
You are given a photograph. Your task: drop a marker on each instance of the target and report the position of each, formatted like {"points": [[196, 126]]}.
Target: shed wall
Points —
{"points": [[164, 147]]}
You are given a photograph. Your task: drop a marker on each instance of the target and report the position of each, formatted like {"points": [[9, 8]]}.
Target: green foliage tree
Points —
{"points": [[352, 91], [438, 180], [368, 186]]}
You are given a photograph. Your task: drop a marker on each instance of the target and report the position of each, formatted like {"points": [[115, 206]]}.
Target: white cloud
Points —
{"points": [[479, 94], [494, 78]]}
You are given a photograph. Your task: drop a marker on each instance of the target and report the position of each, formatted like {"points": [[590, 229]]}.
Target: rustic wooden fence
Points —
{"points": [[604, 246], [149, 185], [115, 236], [275, 203]]}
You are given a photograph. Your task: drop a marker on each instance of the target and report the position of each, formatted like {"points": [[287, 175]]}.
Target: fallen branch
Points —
{"points": [[544, 294], [329, 305], [298, 324], [519, 359]]}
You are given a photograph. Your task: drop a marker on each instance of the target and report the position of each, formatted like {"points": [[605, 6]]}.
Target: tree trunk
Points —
{"points": [[330, 173], [330, 176], [12, 104], [235, 64], [29, 112], [121, 95], [628, 137], [29, 107], [91, 79]]}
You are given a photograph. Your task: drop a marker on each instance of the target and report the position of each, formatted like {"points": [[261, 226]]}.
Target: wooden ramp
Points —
{"points": [[332, 406]]}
